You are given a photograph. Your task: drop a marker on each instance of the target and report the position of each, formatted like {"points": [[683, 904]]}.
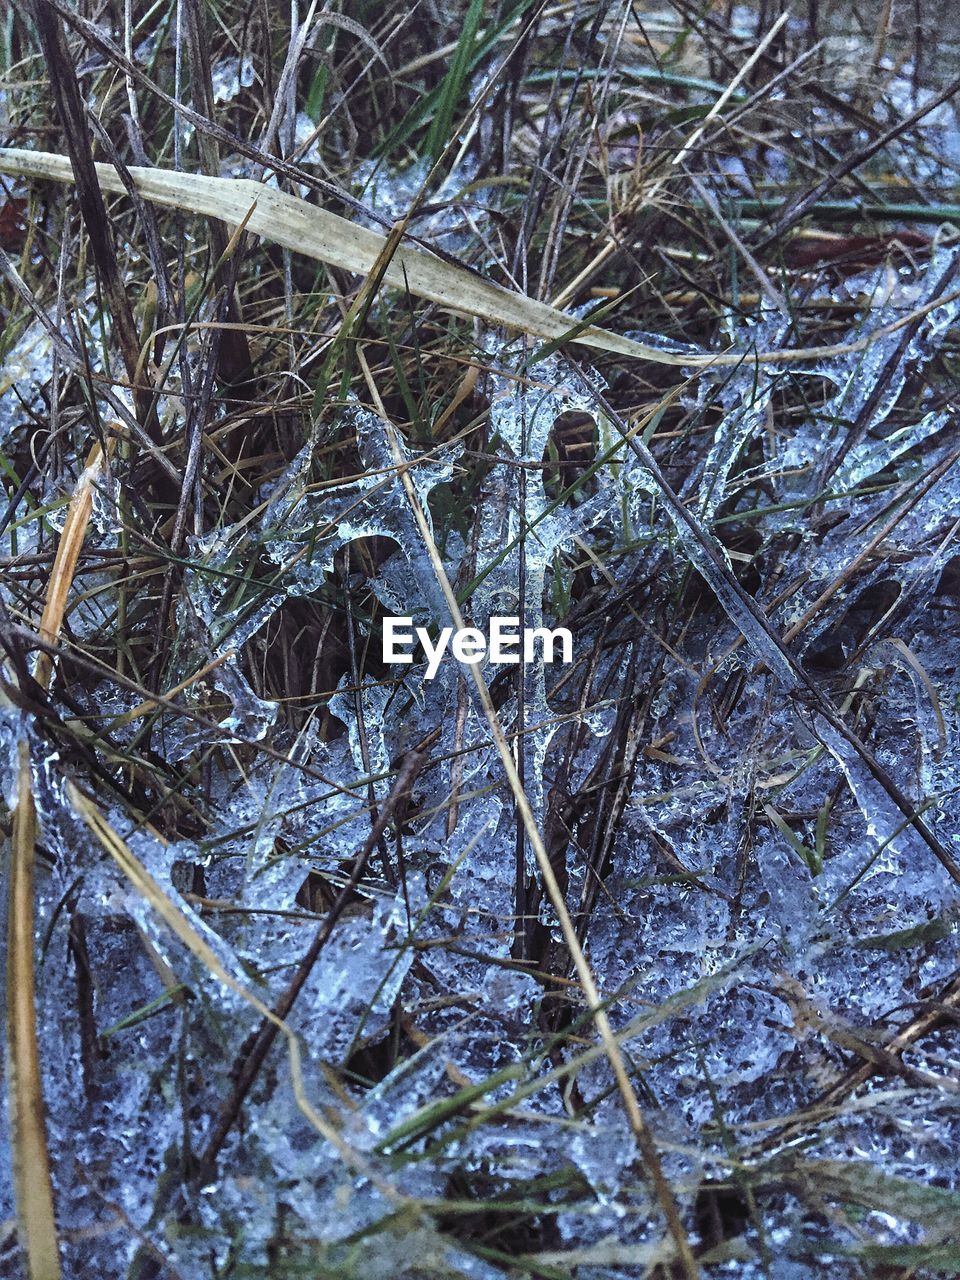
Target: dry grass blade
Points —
{"points": [[34, 1189], [65, 563], [31, 1161], [294, 224], [305, 228], [31, 1164], [731, 88]]}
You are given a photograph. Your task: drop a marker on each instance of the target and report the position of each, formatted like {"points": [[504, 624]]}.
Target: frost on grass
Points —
{"points": [[758, 912]]}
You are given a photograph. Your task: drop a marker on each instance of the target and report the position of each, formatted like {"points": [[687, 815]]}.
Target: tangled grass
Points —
{"points": [[639, 322]]}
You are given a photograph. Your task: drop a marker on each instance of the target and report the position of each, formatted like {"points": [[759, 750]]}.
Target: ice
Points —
{"points": [[14, 727], [373, 699], [229, 76], [390, 195], [27, 366], [871, 457]]}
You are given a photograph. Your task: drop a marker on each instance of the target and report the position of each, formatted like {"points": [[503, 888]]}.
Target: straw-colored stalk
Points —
{"points": [[317, 233], [31, 1163]]}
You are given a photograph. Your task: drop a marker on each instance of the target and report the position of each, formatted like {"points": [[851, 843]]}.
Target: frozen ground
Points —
{"points": [[751, 811], [762, 911]]}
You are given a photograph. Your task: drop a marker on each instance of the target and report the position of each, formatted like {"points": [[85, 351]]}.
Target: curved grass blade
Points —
{"points": [[317, 233]]}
